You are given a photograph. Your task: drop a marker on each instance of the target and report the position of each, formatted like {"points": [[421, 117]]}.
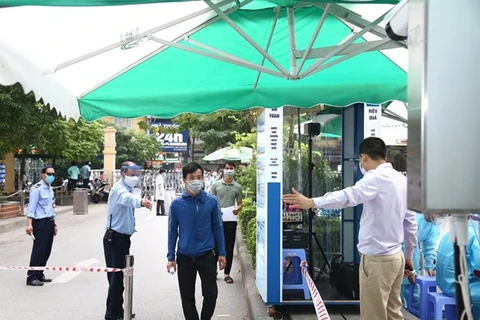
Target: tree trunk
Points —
{"points": [[193, 149], [291, 133]]}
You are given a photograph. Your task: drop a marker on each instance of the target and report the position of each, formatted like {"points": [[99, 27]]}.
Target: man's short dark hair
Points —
{"points": [[229, 163], [44, 169], [190, 168], [374, 148], [162, 171]]}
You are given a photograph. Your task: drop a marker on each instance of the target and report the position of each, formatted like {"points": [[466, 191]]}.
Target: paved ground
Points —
{"points": [[80, 296]]}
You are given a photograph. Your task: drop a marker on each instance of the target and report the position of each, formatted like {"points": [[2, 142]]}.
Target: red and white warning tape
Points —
{"points": [[74, 269], [321, 310]]}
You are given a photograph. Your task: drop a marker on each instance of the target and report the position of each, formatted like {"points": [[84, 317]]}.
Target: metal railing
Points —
{"points": [[173, 180], [23, 197]]}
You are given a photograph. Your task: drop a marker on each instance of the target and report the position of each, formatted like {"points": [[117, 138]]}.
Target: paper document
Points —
{"points": [[227, 214]]}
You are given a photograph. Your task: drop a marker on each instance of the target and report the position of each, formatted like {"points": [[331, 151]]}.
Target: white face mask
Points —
{"points": [[194, 186], [131, 181], [362, 170], [214, 174], [164, 174], [229, 173]]}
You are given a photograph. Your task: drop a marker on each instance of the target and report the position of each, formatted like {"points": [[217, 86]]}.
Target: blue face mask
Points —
{"points": [[194, 186], [49, 179]]}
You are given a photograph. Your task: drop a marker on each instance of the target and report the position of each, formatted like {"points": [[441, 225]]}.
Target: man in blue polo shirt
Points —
{"points": [[195, 221]]}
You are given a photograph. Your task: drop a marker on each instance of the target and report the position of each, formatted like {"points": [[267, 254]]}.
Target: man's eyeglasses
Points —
{"points": [[50, 173]]}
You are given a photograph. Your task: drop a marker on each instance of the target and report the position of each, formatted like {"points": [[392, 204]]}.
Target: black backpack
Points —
{"points": [[344, 276]]}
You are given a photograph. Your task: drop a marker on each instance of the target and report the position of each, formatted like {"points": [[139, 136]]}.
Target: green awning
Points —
{"points": [[176, 81], [200, 65]]}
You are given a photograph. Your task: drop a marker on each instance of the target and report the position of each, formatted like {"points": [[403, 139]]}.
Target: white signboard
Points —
{"points": [[372, 120], [269, 208]]}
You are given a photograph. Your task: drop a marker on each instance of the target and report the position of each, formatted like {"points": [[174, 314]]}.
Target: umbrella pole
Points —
{"points": [[299, 168]]}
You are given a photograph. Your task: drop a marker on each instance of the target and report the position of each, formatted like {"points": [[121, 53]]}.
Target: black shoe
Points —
{"points": [[34, 282], [43, 279], [133, 316]]}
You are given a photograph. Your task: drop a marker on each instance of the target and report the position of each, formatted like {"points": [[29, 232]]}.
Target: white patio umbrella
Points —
{"points": [[231, 153]]}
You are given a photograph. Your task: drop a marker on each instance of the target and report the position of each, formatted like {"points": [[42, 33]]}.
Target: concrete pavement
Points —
{"points": [[258, 309], [80, 296], [18, 222]]}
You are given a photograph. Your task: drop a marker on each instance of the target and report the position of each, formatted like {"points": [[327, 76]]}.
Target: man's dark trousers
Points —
{"points": [[206, 266], [44, 231], [115, 258], [160, 205], [229, 230], [85, 183], [73, 184]]}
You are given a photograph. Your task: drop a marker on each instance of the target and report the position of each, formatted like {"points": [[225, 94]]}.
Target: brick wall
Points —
{"points": [[9, 210]]}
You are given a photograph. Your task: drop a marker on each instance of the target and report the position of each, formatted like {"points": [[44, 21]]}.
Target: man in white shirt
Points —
{"points": [[160, 192], [383, 193]]}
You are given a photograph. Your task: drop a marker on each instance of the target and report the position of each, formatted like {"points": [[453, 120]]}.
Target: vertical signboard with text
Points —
{"points": [[269, 204], [373, 120]]}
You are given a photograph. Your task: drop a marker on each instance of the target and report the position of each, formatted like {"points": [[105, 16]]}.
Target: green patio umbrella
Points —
{"points": [[231, 153], [170, 58], [74, 3]]}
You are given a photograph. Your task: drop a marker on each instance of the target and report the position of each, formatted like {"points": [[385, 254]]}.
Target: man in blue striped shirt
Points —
{"points": [[120, 226], [195, 221], [41, 225]]}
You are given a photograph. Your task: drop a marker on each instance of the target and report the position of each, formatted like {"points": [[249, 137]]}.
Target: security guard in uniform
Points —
{"points": [[41, 225]]}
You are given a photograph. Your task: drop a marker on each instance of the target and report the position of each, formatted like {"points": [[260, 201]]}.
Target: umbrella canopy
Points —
{"points": [[88, 3], [231, 153], [169, 58]]}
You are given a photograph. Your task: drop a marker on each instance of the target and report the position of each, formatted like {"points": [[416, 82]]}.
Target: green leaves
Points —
{"points": [[26, 122], [219, 129]]}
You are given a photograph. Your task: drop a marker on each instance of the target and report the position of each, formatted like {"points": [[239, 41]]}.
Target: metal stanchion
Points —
{"points": [[128, 279]]}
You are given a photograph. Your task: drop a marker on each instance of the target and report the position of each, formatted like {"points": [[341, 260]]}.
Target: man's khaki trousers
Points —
{"points": [[380, 283]]}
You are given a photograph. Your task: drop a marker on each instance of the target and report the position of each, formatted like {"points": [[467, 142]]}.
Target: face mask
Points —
{"points": [[362, 170], [164, 175], [229, 173], [49, 179], [131, 181], [194, 186], [214, 174]]}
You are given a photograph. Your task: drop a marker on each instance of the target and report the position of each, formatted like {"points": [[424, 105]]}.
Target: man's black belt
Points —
{"points": [[49, 219], [118, 234]]}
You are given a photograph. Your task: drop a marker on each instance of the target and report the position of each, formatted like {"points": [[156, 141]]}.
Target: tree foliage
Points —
{"points": [[26, 123], [247, 175], [217, 130], [22, 121], [78, 140]]}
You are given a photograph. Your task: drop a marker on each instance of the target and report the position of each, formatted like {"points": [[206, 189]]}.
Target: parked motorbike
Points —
{"points": [[98, 192]]}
